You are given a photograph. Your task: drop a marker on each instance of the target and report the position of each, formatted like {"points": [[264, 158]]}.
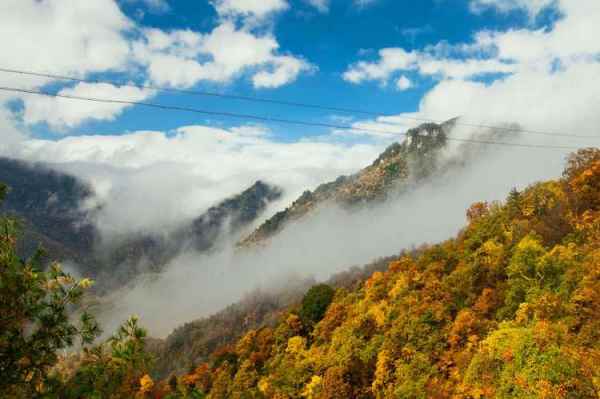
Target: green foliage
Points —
{"points": [[528, 362], [315, 304], [111, 369], [35, 319]]}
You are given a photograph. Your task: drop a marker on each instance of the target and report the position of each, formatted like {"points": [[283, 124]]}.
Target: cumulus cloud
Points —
{"points": [[284, 70], [96, 37], [153, 6], [175, 58], [548, 81], [10, 137], [62, 113], [63, 37], [427, 62], [569, 41]]}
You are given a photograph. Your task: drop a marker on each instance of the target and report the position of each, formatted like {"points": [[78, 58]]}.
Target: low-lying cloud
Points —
{"points": [[155, 181], [331, 240]]}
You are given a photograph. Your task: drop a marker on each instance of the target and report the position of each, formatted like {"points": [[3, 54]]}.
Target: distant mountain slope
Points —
{"points": [[399, 165], [151, 252], [50, 205]]}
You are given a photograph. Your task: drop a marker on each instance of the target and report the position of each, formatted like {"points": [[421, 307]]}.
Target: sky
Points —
{"points": [[528, 62]]}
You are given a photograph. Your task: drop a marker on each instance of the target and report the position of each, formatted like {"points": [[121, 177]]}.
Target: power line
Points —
{"points": [[283, 102], [265, 118]]}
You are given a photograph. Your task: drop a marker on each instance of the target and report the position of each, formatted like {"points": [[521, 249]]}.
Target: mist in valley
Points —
{"points": [[332, 239]]}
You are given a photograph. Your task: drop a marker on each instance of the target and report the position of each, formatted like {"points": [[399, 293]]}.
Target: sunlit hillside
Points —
{"points": [[508, 308]]}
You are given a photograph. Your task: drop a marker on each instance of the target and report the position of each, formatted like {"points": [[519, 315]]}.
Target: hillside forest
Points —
{"points": [[508, 308]]}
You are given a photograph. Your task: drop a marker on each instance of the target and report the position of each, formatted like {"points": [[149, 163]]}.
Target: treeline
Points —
{"points": [[510, 308]]}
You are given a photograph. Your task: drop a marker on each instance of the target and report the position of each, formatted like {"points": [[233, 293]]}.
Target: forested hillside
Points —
{"points": [[50, 205], [510, 308]]}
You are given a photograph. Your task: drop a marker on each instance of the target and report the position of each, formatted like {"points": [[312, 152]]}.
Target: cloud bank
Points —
{"points": [[150, 181]]}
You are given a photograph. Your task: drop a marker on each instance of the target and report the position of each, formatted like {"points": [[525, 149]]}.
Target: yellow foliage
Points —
{"points": [[313, 388], [264, 385], [379, 313], [294, 322], [490, 253], [146, 384], [399, 287], [296, 345], [382, 373], [86, 283]]}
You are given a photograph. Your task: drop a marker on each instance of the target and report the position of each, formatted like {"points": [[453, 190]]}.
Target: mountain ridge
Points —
{"points": [[412, 160], [50, 205]]}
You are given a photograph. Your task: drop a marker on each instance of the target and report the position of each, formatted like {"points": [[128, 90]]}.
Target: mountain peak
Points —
{"points": [[414, 158]]}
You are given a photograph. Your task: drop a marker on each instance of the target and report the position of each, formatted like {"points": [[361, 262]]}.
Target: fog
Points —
{"points": [[152, 182], [332, 239]]}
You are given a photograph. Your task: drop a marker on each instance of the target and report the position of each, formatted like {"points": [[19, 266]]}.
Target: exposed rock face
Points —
{"points": [[400, 164]]}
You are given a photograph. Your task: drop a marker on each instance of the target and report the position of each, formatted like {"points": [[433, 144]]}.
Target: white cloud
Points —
{"points": [[320, 5], [186, 171], [570, 40], [426, 62], [62, 113], [390, 60], [178, 58], [533, 7], [403, 83], [10, 137], [83, 38], [249, 8], [63, 37], [285, 69], [549, 83]]}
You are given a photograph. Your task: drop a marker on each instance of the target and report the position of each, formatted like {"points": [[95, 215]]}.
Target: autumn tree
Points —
{"points": [[113, 369], [35, 323]]}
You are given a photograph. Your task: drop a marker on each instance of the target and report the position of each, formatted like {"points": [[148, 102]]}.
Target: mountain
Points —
{"points": [[150, 253], [399, 166], [509, 307], [51, 207]]}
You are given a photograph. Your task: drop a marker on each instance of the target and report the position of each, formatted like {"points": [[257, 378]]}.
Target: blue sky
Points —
{"points": [[533, 63], [330, 41]]}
